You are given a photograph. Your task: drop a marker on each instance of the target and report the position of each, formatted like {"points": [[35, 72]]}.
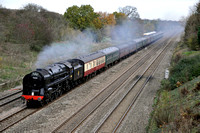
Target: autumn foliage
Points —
{"points": [[106, 18]]}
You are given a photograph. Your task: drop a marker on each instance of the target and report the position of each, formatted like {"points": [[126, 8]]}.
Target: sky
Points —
{"points": [[147, 9]]}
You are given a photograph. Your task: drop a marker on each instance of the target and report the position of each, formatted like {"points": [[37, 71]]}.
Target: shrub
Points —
{"points": [[165, 84], [185, 70], [192, 42]]}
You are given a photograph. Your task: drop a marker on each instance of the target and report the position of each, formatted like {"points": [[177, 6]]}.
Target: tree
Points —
{"points": [[149, 26], [119, 17], [110, 19], [191, 29], [199, 35], [81, 17], [183, 21], [130, 12], [98, 23], [106, 18], [33, 8], [198, 7]]}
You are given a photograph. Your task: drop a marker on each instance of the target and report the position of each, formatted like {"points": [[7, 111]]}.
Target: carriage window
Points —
{"points": [[90, 66]]}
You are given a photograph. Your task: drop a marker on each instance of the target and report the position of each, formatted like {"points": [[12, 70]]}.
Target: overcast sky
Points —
{"points": [[150, 9]]}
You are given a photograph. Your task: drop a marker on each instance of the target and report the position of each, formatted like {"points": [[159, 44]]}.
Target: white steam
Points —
{"points": [[126, 32], [65, 50]]}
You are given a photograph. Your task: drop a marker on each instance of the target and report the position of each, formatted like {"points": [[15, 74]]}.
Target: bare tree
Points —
{"points": [[183, 20], [33, 7], [130, 12]]}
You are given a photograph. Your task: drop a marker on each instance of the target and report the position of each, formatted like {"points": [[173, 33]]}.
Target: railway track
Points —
{"points": [[72, 123], [17, 115], [111, 121], [4, 100]]}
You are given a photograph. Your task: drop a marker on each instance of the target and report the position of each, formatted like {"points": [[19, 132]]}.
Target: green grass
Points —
{"points": [[177, 110], [16, 60], [188, 53]]}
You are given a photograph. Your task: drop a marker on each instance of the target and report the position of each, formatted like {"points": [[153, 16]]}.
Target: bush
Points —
{"points": [[165, 84], [192, 42], [36, 45], [185, 70]]}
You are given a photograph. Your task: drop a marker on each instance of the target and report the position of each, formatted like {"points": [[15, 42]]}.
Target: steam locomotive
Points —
{"points": [[46, 84]]}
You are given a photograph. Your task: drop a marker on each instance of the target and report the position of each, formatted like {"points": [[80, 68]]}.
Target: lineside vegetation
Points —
{"points": [[177, 104]]}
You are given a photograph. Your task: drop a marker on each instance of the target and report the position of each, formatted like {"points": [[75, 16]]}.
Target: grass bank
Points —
{"points": [[177, 104], [15, 61]]}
